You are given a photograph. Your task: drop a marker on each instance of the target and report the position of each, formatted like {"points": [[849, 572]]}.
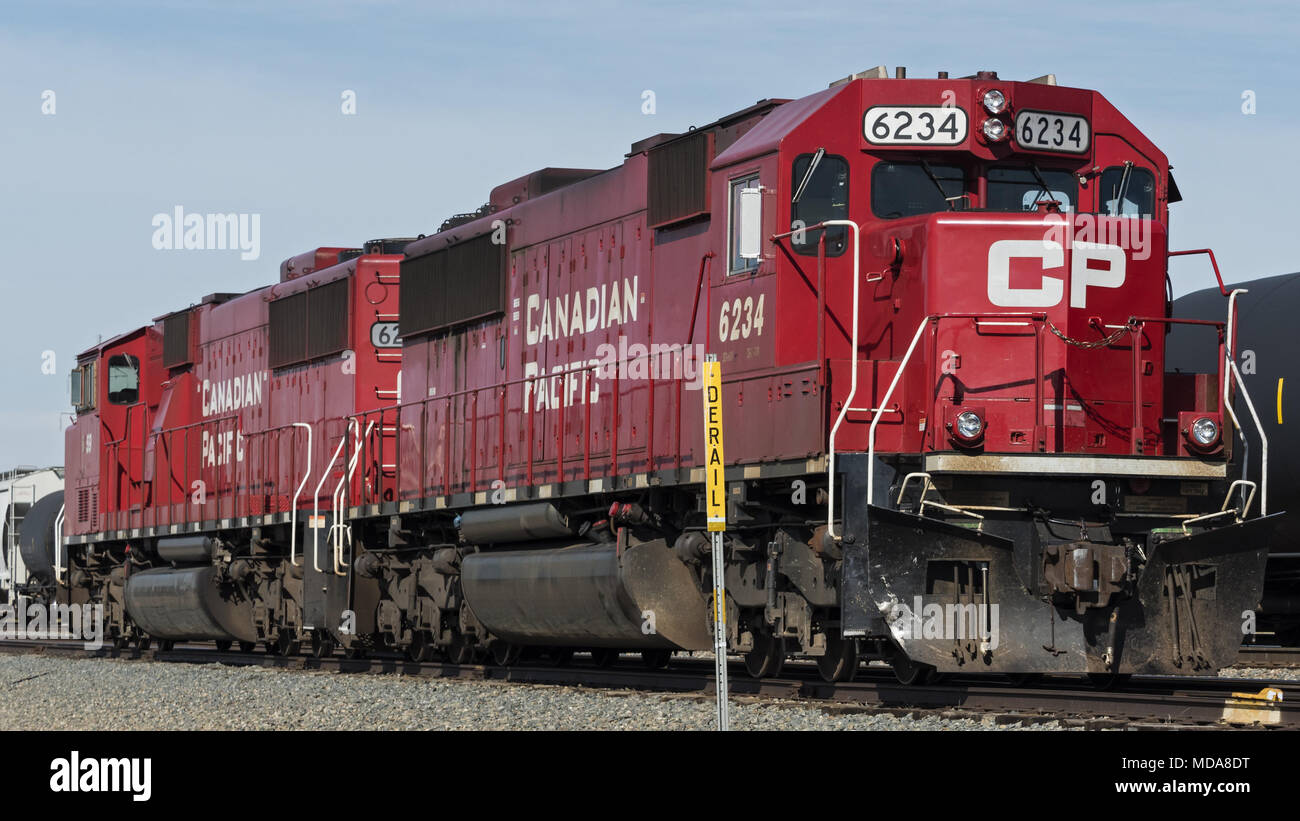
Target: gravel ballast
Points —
{"points": [[43, 693]]}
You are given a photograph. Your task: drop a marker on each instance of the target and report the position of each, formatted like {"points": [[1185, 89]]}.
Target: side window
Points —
{"points": [[1127, 191], [83, 387], [123, 379], [737, 264], [819, 191]]}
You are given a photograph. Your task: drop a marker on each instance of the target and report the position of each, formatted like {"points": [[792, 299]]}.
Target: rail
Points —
{"points": [[293, 507], [339, 530], [58, 548], [315, 508], [1135, 329], [1230, 356], [402, 457]]}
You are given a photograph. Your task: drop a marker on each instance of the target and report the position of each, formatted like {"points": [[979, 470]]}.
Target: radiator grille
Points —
{"points": [[678, 176], [327, 319], [309, 325], [176, 340], [287, 337], [459, 284]]}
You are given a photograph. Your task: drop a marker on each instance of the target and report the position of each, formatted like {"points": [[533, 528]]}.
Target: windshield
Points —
{"points": [[820, 192], [904, 189], [1019, 189], [1127, 192]]}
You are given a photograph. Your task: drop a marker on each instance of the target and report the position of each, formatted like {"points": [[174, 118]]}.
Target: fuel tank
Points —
{"points": [[588, 595], [188, 603]]}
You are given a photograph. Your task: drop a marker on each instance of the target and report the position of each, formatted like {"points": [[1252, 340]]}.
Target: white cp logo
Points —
{"points": [[1053, 256]]}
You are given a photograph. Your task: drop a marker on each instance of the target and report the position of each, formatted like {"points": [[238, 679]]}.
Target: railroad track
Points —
{"points": [[1269, 657], [1154, 702]]}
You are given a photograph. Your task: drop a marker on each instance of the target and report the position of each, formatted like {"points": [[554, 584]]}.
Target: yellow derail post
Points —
{"points": [[716, 499]]}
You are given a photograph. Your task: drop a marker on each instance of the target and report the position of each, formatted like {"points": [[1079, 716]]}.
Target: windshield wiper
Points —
{"points": [[929, 172], [1038, 175], [807, 176], [1123, 188]]}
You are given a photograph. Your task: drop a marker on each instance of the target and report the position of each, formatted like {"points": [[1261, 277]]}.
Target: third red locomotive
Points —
{"points": [[940, 306]]}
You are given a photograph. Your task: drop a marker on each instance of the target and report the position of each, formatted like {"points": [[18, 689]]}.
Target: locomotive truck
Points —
{"points": [[940, 307]]}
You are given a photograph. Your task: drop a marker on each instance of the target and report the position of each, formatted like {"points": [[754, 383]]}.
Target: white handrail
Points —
{"points": [[315, 502], [884, 403], [339, 492], [1231, 356], [293, 508], [853, 378], [58, 549]]}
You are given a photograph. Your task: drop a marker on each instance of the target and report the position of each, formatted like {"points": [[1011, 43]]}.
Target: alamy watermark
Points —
{"points": [[579, 382], [24, 620], [208, 232], [949, 621]]}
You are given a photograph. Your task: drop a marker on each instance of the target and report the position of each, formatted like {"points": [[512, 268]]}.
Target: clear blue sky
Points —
{"points": [[234, 106]]}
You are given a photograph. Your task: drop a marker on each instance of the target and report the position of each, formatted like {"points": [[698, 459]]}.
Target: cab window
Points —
{"points": [[819, 191], [1127, 191], [904, 189], [123, 379], [738, 264], [1022, 189], [83, 387]]}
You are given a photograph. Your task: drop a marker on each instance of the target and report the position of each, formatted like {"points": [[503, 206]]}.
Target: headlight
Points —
{"points": [[1205, 431], [994, 129], [968, 425], [995, 102]]}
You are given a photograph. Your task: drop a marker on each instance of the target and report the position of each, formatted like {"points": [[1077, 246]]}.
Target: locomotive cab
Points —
{"points": [[992, 262]]}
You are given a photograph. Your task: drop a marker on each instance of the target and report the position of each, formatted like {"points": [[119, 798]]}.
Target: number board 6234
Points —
{"points": [[914, 125], [1046, 131]]}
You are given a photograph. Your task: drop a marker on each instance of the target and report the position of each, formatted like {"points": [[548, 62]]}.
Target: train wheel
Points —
{"points": [[247, 646], [224, 644], [505, 654], [841, 660], [322, 644], [421, 647], [356, 651], [121, 642], [143, 642], [656, 659], [460, 651], [166, 645], [912, 673], [1109, 681], [272, 647], [604, 657], [289, 643], [768, 656]]}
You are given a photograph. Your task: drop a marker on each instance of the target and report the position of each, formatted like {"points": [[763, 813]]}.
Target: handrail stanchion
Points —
{"points": [[58, 548], [340, 493], [884, 403], [1231, 359], [853, 378], [293, 507], [315, 502]]}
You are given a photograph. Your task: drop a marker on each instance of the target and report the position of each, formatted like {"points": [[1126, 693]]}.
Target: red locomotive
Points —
{"points": [[940, 307]]}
